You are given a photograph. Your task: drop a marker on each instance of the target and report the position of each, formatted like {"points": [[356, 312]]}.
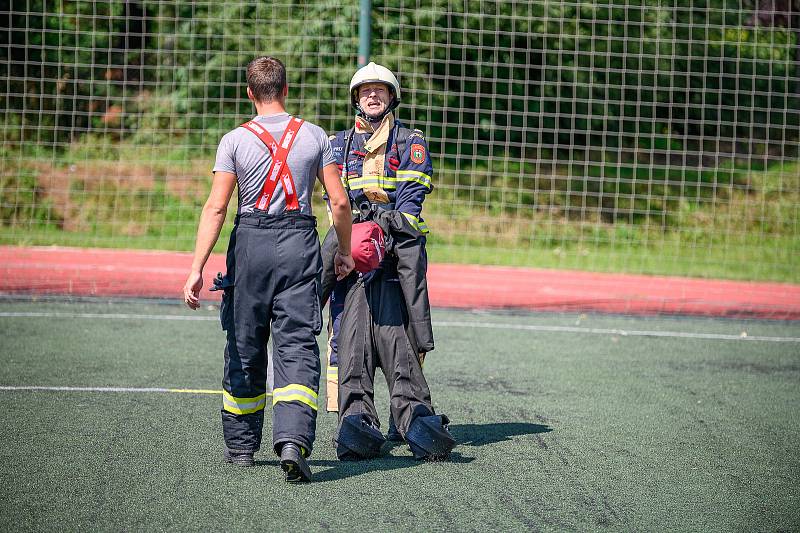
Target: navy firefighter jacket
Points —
{"points": [[406, 175]]}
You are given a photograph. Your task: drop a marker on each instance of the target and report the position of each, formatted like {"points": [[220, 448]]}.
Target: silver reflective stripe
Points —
{"points": [[295, 392], [243, 406]]}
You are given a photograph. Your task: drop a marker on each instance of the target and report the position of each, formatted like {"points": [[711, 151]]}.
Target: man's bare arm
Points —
{"points": [[211, 221], [342, 218]]}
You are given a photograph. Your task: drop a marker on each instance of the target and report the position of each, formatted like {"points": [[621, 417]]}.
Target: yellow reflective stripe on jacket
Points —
{"points": [[416, 223], [384, 182], [243, 406], [295, 393], [390, 182], [414, 175]]}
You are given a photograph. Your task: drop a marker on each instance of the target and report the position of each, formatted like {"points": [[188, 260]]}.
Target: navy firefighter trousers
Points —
{"points": [[273, 279]]}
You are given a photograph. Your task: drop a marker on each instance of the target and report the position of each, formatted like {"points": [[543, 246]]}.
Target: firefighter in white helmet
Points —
{"points": [[376, 317]]}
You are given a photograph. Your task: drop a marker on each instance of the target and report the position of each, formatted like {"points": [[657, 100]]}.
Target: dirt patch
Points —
{"points": [[757, 368], [119, 192], [738, 366], [490, 384]]}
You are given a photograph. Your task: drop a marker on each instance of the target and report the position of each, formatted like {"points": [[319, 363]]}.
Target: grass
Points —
{"points": [[557, 430], [124, 196], [776, 260], [674, 255]]}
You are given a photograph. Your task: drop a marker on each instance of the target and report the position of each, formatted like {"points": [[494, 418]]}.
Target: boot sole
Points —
{"points": [[295, 473], [245, 463]]}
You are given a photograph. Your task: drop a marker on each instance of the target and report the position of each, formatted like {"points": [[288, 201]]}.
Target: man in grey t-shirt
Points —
{"points": [[273, 270], [241, 153]]}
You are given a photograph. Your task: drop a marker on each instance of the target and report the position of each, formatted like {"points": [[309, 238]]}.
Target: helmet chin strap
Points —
{"points": [[389, 108], [363, 114]]}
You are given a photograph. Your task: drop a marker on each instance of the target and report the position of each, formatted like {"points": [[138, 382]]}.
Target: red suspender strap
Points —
{"points": [[279, 169]]}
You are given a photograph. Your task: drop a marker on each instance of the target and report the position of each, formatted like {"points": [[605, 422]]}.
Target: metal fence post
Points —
{"points": [[364, 32]]}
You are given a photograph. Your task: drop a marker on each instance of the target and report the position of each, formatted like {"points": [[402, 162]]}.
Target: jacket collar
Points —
{"points": [[380, 135]]}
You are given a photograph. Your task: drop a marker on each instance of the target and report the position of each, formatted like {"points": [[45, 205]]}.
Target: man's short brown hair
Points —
{"points": [[266, 78]]}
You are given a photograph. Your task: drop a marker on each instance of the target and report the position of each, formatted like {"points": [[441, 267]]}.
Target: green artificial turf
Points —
{"points": [[602, 428]]}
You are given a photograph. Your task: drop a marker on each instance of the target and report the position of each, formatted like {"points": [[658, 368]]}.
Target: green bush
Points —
{"points": [[23, 203], [637, 105]]}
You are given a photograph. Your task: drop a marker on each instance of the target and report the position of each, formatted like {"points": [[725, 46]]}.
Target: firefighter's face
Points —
{"points": [[374, 98]]}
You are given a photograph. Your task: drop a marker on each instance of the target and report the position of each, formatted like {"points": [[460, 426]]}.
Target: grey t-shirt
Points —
{"points": [[242, 153]]}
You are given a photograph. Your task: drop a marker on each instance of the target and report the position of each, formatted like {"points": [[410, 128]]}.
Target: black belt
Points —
{"points": [[262, 219]]}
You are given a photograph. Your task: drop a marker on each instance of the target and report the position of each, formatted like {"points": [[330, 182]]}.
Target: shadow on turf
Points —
{"points": [[482, 434], [336, 470], [465, 435]]}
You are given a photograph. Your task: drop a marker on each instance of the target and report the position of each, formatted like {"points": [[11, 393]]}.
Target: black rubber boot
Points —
{"points": [[393, 434], [429, 438], [357, 439], [238, 458], [294, 465]]}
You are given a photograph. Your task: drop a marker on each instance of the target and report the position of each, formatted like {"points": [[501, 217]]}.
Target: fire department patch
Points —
{"points": [[418, 153]]}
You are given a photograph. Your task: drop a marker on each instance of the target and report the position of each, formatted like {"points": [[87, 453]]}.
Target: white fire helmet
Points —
{"points": [[374, 73]]}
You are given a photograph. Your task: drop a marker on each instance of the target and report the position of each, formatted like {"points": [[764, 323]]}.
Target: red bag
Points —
{"points": [[368, 246]]}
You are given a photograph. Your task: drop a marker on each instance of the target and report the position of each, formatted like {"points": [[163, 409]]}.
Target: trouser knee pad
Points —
{"points": [[429, 438], [357, 439]]}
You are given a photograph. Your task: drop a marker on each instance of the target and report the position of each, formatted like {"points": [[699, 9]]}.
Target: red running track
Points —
{"points": [[132, 273]]}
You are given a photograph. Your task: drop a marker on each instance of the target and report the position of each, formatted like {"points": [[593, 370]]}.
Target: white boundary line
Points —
{"points": [[117, 316], [110, 389], [619, 332], [485, 325]]}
